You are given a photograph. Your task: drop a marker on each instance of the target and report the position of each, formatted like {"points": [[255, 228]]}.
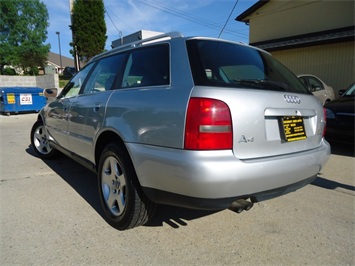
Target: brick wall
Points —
{"points": [[43, 81]]}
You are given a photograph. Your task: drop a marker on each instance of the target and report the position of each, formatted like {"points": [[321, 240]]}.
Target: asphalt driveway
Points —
{"points": [[50, 214]]}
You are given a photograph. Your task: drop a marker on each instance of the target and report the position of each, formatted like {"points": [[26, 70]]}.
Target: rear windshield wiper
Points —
{"points": [[264, 83]]}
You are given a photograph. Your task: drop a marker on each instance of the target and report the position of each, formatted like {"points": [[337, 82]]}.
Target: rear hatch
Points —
{"points": [[272, 113]]}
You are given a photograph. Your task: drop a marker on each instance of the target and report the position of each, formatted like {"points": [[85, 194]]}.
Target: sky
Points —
{"points": [[124, 17]]}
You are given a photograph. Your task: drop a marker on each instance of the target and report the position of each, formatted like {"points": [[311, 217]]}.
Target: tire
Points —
{"points": [[39, 142], [123, 201]]}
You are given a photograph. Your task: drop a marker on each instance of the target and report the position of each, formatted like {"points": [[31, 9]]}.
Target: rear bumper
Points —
{"points": [[212, 179], [168, 198]]}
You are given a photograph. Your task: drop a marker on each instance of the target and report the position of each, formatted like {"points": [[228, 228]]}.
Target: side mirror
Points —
{"points": [[50, 93], [341, 92]]}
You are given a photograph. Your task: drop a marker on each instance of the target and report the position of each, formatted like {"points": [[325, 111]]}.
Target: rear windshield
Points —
{"points": [[223, 64]]}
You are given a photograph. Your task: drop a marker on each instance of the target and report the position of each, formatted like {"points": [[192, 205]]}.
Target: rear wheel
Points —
{"points": [[40, 143], [122, 198]]}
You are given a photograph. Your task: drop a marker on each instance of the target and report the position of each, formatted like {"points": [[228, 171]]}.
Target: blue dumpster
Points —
{"points": [[21, 99]]}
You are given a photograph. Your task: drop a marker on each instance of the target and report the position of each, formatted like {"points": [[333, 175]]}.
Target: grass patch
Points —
{"points": [[63, 82]]}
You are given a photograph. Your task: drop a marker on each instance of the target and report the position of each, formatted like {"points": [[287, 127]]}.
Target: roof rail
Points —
{"points": [[160, 37], [169, 35]]}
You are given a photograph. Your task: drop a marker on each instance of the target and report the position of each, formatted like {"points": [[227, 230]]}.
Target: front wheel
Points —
{"points": [[40, 143], [124, 203]]}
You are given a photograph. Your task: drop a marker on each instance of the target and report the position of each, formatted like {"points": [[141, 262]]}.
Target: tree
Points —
{"points": [[23, 31], [89, 28]]}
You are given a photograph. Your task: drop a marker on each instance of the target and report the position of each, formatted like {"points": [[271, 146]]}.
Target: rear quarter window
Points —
{"points": [[147, 66]]}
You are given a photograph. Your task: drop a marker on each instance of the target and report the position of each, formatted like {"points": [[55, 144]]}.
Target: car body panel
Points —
{"points": [[56, 121], [341, 120], [85, 117], [144, 116]]}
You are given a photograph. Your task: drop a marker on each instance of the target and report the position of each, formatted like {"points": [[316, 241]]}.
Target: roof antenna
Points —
{"points": [[225, 24]]}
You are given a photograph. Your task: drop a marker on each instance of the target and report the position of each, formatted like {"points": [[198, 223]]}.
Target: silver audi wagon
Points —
{"points": [[187, 121]]}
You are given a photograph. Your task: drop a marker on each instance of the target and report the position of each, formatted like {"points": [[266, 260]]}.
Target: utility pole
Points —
{"points": [[60, 52]]}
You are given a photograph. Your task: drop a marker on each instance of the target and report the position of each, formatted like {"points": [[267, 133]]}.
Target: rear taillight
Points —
{"points": [[208, 125]]}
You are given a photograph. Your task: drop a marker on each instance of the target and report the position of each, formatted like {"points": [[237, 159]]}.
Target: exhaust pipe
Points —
{"points": [[240, 205]]}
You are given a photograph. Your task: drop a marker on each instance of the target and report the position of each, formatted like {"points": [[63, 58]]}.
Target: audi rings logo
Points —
{"points": [[292, 99]]}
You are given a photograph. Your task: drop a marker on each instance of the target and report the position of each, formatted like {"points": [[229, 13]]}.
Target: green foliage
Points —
{"points": [[23, 31], [89, 28], [32, 71], [9, 71]]}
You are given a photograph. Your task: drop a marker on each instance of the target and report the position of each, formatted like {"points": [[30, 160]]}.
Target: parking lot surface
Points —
{"points": [[50, 214]]}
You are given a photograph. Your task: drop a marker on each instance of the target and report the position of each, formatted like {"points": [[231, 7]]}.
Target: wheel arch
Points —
{"points": [[40, 118], [103, 140]]}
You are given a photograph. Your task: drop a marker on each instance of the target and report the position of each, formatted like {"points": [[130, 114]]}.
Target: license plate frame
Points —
{"points": [[292, 128]]}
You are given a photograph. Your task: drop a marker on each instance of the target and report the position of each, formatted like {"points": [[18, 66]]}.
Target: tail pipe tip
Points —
{"points": [[241, 205]]}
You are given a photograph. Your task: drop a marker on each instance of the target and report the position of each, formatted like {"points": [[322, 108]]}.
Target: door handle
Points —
{"points": [[97, 107]]}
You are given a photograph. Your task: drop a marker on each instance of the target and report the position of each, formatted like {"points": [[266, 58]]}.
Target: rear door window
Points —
{"points": [[104, 74]]}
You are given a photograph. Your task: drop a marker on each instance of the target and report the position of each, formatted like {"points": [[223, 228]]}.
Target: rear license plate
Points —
{"points": [[293, 128]]}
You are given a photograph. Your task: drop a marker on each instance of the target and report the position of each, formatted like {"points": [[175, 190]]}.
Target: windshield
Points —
{"points": [[223, 64], [350, 91]]}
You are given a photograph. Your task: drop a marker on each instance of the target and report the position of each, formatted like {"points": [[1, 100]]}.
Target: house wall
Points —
{"points": [[280, 19], [333, 63], [43, 81]]}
